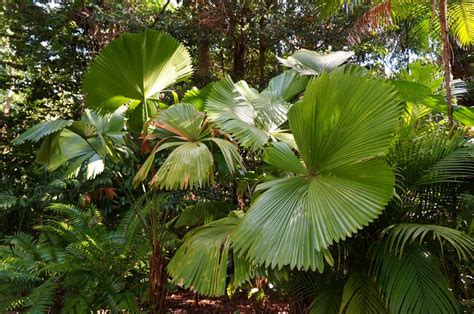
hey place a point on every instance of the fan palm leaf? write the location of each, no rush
(341, 127)
(88, 141)
(250, 117)
(133, 70)
(308, 62)
(201, 263)
(191, 163)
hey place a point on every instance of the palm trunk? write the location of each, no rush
(443, 21)
(157, 275)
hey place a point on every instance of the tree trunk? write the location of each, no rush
(10, 93)
(157, 275)
(238, 72)
(262, 48)
(203, 63)
(8, 103)
(443, 21)
(203, 46)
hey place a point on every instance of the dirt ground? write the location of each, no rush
(186, 302)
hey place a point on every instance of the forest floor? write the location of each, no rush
(186, 302)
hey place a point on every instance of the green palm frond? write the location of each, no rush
(203, 213)
(427, 155)
(42, 130)
(403, 235)
(327, 300)
(461, 21)
(76, 143)
(308, 62)
(198, 97)
(191, 163)
(361, 295)
(250, 117)
(343, 124)
(133, 70)
(413, 282)
(201, 263)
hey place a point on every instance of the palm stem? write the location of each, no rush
(446, 54)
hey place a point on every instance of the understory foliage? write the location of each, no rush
(345, 190)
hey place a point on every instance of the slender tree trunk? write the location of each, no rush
(8, 103)
(9, 100)
(238, 72)
(443, 21)
(262, 48)
(157, 275)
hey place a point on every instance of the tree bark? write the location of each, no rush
(157, 275)
(203, 45)
(9, 100)
(262, 48)
(203, 63)
(238, 71)
(443, 21)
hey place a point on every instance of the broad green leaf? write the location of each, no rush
(417, 93)
(287, 85)
(281, 156)
(133, 69)
(250, 117)
(341, 127)
(191, 162)
(188, 165)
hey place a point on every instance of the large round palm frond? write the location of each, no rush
(250, 117)
(133, 70)
(184, 130)
(341, 127)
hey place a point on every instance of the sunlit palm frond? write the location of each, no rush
(344, 122)
(308, 62)
(133, 70)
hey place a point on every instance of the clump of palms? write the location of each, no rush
(356, 180)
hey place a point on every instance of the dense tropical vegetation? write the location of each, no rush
(319, 153)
